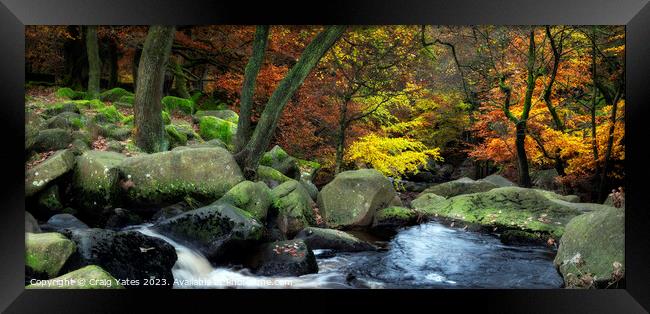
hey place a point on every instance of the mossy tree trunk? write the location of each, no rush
(76, 61)
(556, 48)
(94, 63)
(134, 68)
(112, 56)
(248, 87)
(180, 81)
(248, 158)
(151, 74)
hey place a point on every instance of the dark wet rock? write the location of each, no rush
(285, 258)
(335, 240)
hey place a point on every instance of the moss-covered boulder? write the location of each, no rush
(33, 124)
(94, 182)
(504, 208)
(47, 252)
(220, 231)
(114, 94)
(331, 239)
(65, 120)
(353, 197)
(127, 255)
(205, 174)
(69, 93)
(295, 207)
(167, 119)
(592, 249)
(89, 277)
(554, 196)
(52, 139)
(389, 219)
(545, 179)
(227, 115)
(285, 258)
(214, 128)
(271, 176)
(172, 103)
(253, 197)
(108, 114)
(37, 178)
(459, 187)
(58, 108)
(113, 131)
(425, 199)
(175, 137)
(279, 160)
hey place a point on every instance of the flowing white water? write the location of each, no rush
(425, 256)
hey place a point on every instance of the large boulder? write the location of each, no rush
(460, 186)
(253, 197)
(353, 197)
(52, 139)
(94, 182)
(205, 174)
(295, 207)
(331, 239)
(592, 249)
(279, 160)
(33, 125)
(89, 277)
(220, 231)
(114, 94)
(59, 222)
(127, 255)
(37, 178)
(46, 253)
(284, 258)
(214, 128)
(65, 120)
(504, 208)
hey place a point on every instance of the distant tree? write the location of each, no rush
(149, 87)
(94, 62)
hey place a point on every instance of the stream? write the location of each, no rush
(430, 255)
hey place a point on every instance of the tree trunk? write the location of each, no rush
(522, 159)
(94, 63)
(594, 144)
(180, 82)
(248, 87)
(248, 158)
(112, 64)
(608, 152)
(340, 136)
(134, 68)
(149, 87)
(76, 60)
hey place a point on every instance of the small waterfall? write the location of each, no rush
(425, 256)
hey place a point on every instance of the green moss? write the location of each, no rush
(268, 173)
(108, 114)
(212, 127)
(47, 252)
(114, 94)
(127, 99)
(171, 103)
(77, 122)
(176, 138)
(128, 119)
(395, 212)
(253, 197)
(66, 92)
(166, 117)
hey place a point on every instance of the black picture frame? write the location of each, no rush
(635, 14)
